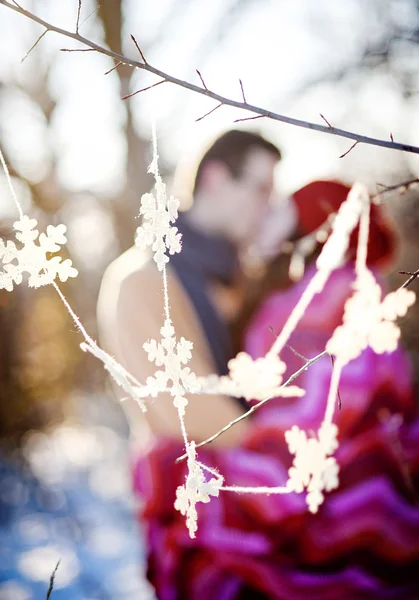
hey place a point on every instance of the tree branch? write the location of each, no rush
(139, 49)
(404, 186)
(242, 89)
(142, 89)
(255, 407)
(351, 148)
(34, 45)
(78, 17)
(209, 112)
(412, 278)
(51, 581)
(221, 99)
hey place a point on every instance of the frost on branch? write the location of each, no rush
(119, 374)
(252, 379)
(158, 212)
(369, 322)
(313, 467)
(195, 489)
(31, 257)
(171, 355)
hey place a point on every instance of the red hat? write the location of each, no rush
(317, 200)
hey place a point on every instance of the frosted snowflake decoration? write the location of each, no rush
(195, 490)
(334, 250)
(120, 375)
(31, 257)
(369, 322)
(172, 355)
(252, 379)
(158, 212)
(313, 467)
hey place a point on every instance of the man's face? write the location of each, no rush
(245, 199)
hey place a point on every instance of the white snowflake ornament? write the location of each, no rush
(31, 257)
(158, 212)
(172, 355)
(195, 490)
(313, 467)
(369, 322)
(256, 379)
(252, 379)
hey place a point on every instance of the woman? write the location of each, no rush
(363, 543)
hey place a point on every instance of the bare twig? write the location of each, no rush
(250, 118)
(255, 407)
(33, 45)
(339, 398)
(404, 186)
(326, 121)
(208, 113)
(143, 90)
(51, 581)
(293, 350)
(78, 16)
(76, 49)
(98, 7)
(202, 80)
(118, 64)
(351, 148)
(261, 112)
(391, 137)
(241, 87)
(139, 49)
(412, 277)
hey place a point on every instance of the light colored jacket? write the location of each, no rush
(131, 312)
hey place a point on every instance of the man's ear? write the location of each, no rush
(214, 175)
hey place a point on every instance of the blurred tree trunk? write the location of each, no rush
(138, 182)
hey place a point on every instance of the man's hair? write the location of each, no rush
(232, 149)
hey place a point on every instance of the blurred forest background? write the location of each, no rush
(78, 153)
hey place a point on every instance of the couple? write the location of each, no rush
(361, 543)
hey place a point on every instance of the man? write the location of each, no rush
(233, 185)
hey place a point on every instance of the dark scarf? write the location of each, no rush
(205, 259)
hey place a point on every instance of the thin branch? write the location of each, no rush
(404, 186)
(139, 49)
(223, 100)
(255, 407)
(412, 278)
(208, 113)
(326, 121)
(98, 7)
(250, 118)
(33, 45)
(143, 90)
(338, 392)
(76, 49)
(118, 64)
(78, 16)
(351, 148)
(293, 350)
(202, 80)
(241, 87)
(51, 581)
